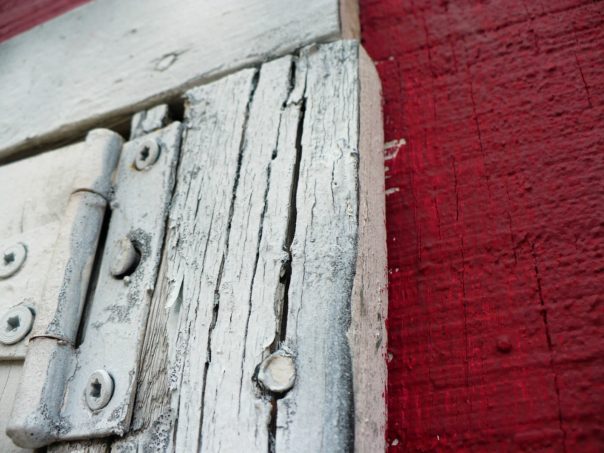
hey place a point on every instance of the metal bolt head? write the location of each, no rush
(15, 324)
(146, 155)
(99, 390)
(125, 258)
(277, 372)
(11, 259)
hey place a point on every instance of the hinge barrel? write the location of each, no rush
(80, 373)
(35, 420)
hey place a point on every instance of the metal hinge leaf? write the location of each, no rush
(86, 390)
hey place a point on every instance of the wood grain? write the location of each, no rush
(261, 256)
(139, 52)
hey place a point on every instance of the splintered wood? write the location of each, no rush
(266, 326)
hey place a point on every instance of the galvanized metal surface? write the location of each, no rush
(80, 371)
(35, 195)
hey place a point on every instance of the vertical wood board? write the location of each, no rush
(261, 256)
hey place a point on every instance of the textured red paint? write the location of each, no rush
(17, 16)
(495, 219)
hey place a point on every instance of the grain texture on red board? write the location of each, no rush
(494, 118)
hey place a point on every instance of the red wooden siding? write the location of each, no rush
(495, 219)
(17, 16)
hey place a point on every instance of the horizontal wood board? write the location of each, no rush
(109, 58)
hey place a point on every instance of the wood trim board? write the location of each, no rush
(108, 59)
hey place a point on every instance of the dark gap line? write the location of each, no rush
(286, 278)
(94, 277)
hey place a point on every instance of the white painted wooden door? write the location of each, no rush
(261, 325)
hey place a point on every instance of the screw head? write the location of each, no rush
(146, 155)
(11, 259)
(15, 324)
(99, 390)
(125, 258)
(277, 372)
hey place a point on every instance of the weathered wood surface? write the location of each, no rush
(150, 120)
(367, 334)
(109, 58)
(319, 413)
(10, 375)
(276, 211)
(275, 244)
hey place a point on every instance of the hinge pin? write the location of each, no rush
(99, 390)
(11, 259)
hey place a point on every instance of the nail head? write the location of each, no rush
(277, 373)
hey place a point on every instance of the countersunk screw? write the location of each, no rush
(125, 258)
(99, 390)
(15, 324)
(11, 259)
(277, 372)
(146, 155)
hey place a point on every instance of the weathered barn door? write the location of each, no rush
(217, 281)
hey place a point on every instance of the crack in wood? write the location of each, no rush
(261, 255)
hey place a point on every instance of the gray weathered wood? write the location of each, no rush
(150, 120)
(275, 243)
(319, 413)
(10, 376)
(367, 333)
(270, 156)
(110, 58)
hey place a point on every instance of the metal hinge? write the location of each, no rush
(99, 264)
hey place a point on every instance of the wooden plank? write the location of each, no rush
(137, 53)
(272, 156)
(192, 267)
(250, 289)
(367, 334)
(319, 413)
(10, 376)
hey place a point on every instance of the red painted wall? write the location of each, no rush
(495, 219)
(17, 16)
